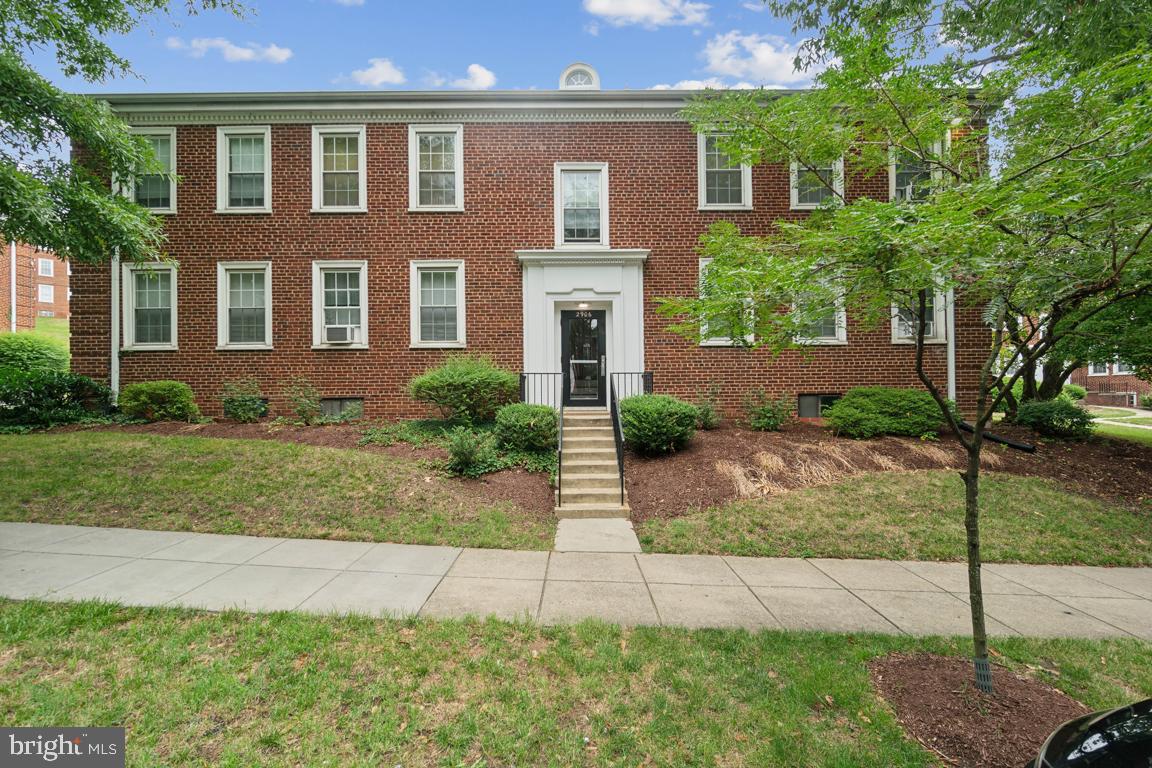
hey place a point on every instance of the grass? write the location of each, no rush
(55, 328)
(232, 689)
(1144, 420)
(1108, 413)
(914, 516)
(256, 487)
(1124, 433)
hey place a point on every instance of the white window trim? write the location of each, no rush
(318, 134)
(128, 187)
(128, 305)
(415, 268)
(1117, 372)
(40, 291)
(1101, 373)
(41, 263)
(702, 180)
(558, 204)
(937, 174)
(414, 130)
(318, 269)
(827, 341)
(715, 341)
(793, 190)
(939, 318)
(222, 270)
(222, 134)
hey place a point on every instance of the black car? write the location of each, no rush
(1117, 738)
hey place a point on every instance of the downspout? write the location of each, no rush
(950, 331)
(12, 286)
(114, 350)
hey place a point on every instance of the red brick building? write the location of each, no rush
(35, 281)
(356, 239)
(1110, 384)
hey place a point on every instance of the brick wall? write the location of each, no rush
(28, 305)
(58, 307)
(508, 205)
(1111, 388)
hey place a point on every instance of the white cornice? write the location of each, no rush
(572, 256)
(314, 116)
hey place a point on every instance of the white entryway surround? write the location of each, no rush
(601, 278)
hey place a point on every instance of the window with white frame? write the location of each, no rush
(714, 337)
(244, 169)
(1097, 369)
(831, 328)
(1121, 368)
(338, 179)
(149, 304)
(910, 177)
(437, 298)
(812, 187)
(46, 294)
(157, 191)
(436, 167)
(45, 267)
(339, 311)
(724, 183)
(905, 321)
(244, 304)
(581, 204)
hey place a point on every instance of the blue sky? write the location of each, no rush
(389, 44)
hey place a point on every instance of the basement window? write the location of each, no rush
(343, 408)
(812, 406)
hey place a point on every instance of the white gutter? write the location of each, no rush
(950, 330)
(114, 351)
(12, 287)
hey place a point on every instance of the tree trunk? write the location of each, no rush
(971, 477)
(1056, 372)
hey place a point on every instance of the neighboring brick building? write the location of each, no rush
(358, 238)
(41, 281)
(1110, 384)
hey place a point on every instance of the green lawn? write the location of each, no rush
(1125, 433)
(914, 516)
(197, 689)
(257, 487)
(1108, 413)
(55, 328)
(1145, 420)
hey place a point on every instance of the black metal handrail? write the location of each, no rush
(560, 442)
(548, 388)
(617, 432)
(629, 383)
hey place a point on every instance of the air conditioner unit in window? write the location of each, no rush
(339, 334)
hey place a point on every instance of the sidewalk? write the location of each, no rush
(59, 562)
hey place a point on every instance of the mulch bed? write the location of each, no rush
(936, 700)
(730, 463)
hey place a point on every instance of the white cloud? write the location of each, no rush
(592, 28)
(480, 78)
(379, 72)
(198, 47)
(756, 6)
(699, 85)
(759, 58)
(348, 2)
(648, 13)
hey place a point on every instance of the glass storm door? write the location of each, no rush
(583, 356)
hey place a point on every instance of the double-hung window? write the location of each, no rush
(831, 328)
(339, 310)
(437, 304)
(244, 304)
(581, 204)
(906, 321)
(1097, 369)
(725, 185)
(909, 177)
(244, 169)
(812, 187)
(45, 267)
(435, 167)
(1121, 368)
(156, 190)
(149, 302)
(339, 183)
(710, 334)
(46, 294)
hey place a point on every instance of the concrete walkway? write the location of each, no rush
(59, 562)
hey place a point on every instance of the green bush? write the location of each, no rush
(159, 401)
(1055, 418)
(1075, 391)
(866, 412)
(655, 424)
(766, 414)
(1146, 400)
(466, 389)
(30, 352)
(525, 427)
(470, 453)
(303, 400)
(707, 409)
(45, 398)
(243, 401)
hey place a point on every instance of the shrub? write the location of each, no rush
(766, 414)
(470, 453)
(29, 352)
(303, 400)
(525, 427)
(707, 410)
(159, 401)
(655, 424)
(466, 389)
(1055, 418)
(1146, 401)
(243, 401)
(1075, 391)
(870, 411)
(44, 398)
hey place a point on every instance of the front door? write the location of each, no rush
(583, 356)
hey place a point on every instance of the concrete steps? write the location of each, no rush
(589, 472)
